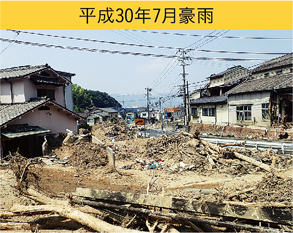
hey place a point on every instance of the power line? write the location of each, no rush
(94, 40)
(123, 52)
(237, 52)
(86, 49)
(223, 37)
(143, 45)
(9, 45)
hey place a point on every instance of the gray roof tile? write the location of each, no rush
(274, 63)
(8, 112)
(210, 99)
(264, 84)
(21, 71)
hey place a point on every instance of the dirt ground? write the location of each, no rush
(170, 165)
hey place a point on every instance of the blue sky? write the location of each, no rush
(128, 74)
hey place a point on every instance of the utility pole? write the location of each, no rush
(161, 115)
(188, 109)
(182, 58)
(148, 102)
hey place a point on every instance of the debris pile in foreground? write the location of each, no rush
(177, 183)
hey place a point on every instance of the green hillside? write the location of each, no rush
(83, 99)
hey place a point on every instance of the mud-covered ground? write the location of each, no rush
(179, 165)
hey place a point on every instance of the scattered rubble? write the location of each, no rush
(181, 167)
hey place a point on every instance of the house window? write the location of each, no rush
(208, 111)
(194, 111)
(205, 111)
(212, 111)
(243, 113)
(48, 93)
(265, 111)
(279, 72)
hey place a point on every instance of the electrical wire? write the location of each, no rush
(123, 52)
(9, 45)
(143, 45)
(223, 37)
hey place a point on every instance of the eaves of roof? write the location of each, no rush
(210, 99)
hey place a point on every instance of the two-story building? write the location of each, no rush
(265, 97)
(34, 101)
(209, 104)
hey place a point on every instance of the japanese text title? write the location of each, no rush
(185, 15)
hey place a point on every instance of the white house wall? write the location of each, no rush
(17, 90)
(5, 95)
(54, 120)
(68, 97)
(222, 114)
(29, 89)
(272, 72)
(206, 119)
(255, 100)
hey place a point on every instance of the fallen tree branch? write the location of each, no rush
(63, 209)
(15, 226)
(74, 214)
(258, 164)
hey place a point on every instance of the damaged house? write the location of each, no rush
(265, 98)
(34, 101)
(101, 114)
(208, 105)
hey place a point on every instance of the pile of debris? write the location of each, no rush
(185, 152)
(152, 204)
(106, 131)
(271, 190)
(88, 156)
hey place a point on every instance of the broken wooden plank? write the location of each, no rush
(259, 164)
(228, 209)
(74, 214)
(64, 209)
(177, 216)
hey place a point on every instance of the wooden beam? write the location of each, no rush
(282, 215)
(177, 216)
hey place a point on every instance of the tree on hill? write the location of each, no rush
(83, 99)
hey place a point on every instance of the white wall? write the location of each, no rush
(256, 100)
(17, 90)
(54, 120)
(222, 114)
(30, 89)
(68, 97)
(5, 96)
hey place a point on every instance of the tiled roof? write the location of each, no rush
(226, 71)
(108, 110)
(264, 84)
(274, 63)
(21, 71)
(10, 112)
(210, 99)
